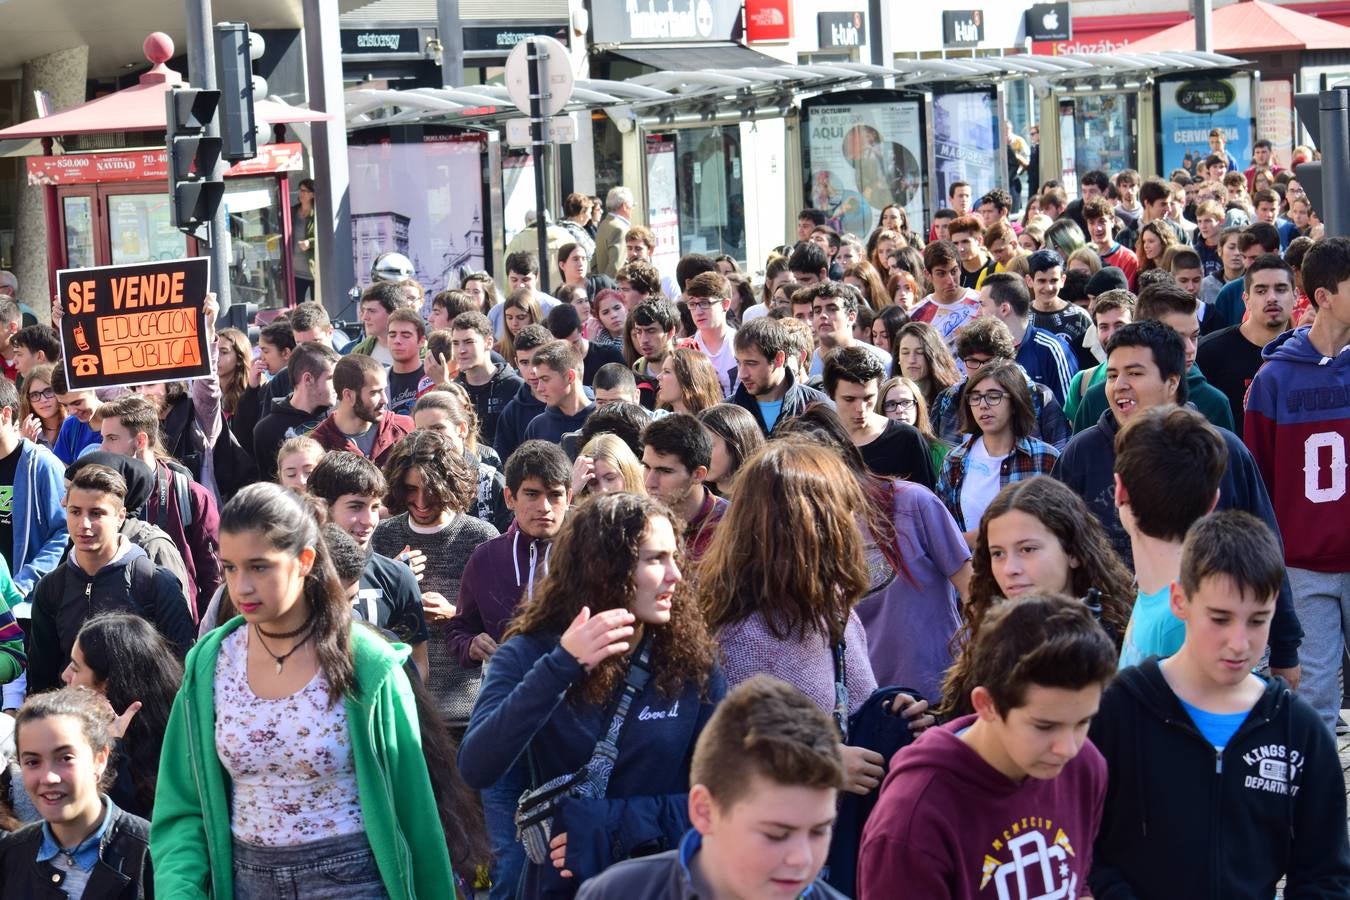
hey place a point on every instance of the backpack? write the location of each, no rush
(181, 486)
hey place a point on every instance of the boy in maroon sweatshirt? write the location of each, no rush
(1005, 803)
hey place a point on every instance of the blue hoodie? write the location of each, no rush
(524, 711)
(513, 421)
(1298, 426)
(39, 518)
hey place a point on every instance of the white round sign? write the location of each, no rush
(555, 81)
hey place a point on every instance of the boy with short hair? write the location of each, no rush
(676, 454)
(521, 410)
(1110, 310)
(557, 373)
(1005, 802)
(652, 325)
(1100, 217)
(1209, 226)
(105, 572)
(33, 346)
(951, 304)
(1157, 504)
(76, 433)
(764, 781)
(891, 449)
(406, 336)
(387, 595)
(708, 295)
(1231, 741)
(491, 386)
(967, 234)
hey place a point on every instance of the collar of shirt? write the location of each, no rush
(86, 854)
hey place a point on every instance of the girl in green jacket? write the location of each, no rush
(292, 762)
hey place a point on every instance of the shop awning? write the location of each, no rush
(1253, 26)
(687, 58)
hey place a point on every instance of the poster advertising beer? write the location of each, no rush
(1189, 108)
(862, 151)
(134, 324)
(965, 143)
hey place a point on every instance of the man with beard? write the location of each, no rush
(361, 422)
(1230, 357)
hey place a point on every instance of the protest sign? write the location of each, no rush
(134, 324)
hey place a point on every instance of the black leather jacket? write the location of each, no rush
(121, 873)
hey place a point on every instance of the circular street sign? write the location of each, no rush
(555, 77)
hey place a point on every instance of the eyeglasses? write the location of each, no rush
(891, 406)
(704, 305)
(990, 399)
(973, 362)
(47, 394)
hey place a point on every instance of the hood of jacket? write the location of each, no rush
(1294, 346)
(139, 477)
(942, 748)
(282, 407)
(525, 397)
(125, 555)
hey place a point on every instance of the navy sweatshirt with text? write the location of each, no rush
(1185, 820)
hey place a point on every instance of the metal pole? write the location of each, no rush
(202, 74)
(1334, 113)
(538, 146)
(452, 43)
(328, 156)
(1203, 10)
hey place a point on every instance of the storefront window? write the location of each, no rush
(1104, 132)
(139, 229)
(257, 269)
(710, 193)
(79, 218)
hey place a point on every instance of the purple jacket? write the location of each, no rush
(500, 573)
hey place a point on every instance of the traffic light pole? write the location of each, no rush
(202, 74)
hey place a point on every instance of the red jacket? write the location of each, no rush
(389, 432)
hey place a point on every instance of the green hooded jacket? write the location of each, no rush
(190, 839)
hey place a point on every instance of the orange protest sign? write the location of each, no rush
(134, 324)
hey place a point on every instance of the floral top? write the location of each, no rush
(289, 760)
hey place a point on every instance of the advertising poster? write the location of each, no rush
(1275, 118)
(663, 214)
(965, 143)
(423, 200)
(1188, 109)
(134, 324)
(861, 157)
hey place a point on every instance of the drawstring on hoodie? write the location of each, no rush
(534, 561)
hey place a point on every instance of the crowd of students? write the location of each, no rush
(1001, 561)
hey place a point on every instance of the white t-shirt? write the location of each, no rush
(724, 361)
(981, 484)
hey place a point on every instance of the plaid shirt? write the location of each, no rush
(1029, 457)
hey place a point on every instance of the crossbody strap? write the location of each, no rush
(601, 763)
(840, 711)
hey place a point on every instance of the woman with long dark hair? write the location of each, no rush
(613, 599)
(735, 436)
(233, 356)
(292, 760)
(124, 658)
(41, 413)
(1037, 537)
(922, 356)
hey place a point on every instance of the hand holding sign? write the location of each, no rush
(135, 324)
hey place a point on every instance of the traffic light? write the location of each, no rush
(236, 49)
(194, 186)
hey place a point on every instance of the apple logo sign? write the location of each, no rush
(1051, 21)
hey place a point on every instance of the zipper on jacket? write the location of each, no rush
(208, 815)
(88, 592)
(1218, 762)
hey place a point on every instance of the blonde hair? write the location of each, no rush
(618, 455)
